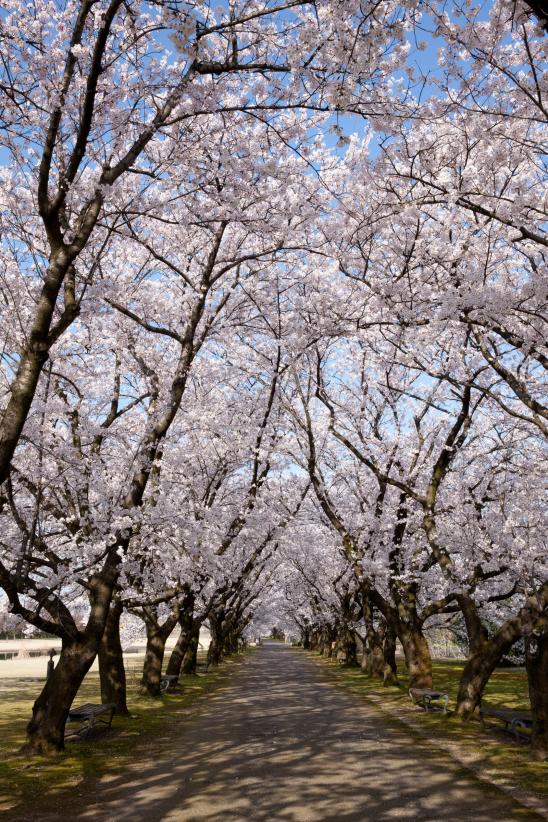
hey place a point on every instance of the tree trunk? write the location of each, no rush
(178, 653)
(190, 660)
(482, 662)
(475, 629)
(154, 657)
(346, 651)
(390, 669)
(479, 667)
(328, 641)
(536, 661)
(375, 663)
(372, 659)
(112, 673)
(417, 656)
(215, 650)
(46, 729)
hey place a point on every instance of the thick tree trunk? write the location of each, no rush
(112, 673)
(215, 650)
(481, 664)
(154, 657)
(536, 661)
(347, 652)
(390, 669)
(417, 656)
(32, 359)
(178, 653)
(475, 629)
(328, 639)
(375, 663)
(46, 729)
(190, 659)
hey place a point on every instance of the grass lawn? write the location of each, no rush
(104, 751)
(493, 751)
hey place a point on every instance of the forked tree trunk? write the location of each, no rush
(157, 636)
(536, 661)
(46, 729)
(481, 664)
(112, 673)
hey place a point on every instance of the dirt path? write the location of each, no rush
(282, 743)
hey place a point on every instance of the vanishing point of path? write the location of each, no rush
(281, 743)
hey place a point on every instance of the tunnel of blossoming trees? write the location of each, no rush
(273, 282)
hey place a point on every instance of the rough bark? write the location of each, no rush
(481, 663)
(190, 659)
(189, 627)
(154, 657)
(347, 652)
(536, 661)
(390, 669)
(112, 673)
(215, 650)
(46, 729)
(417, 656)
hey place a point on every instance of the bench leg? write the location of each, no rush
(518, 728)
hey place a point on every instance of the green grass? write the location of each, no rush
(104, 751)
(493, 750)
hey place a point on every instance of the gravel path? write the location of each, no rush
(281, 742)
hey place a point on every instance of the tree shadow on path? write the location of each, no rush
(281, 743)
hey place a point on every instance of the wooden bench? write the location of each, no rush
(90, 714)
(425, 697)
(166, 681)
(516, 721)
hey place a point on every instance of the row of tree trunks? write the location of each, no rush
(226, 628)
(485, 653)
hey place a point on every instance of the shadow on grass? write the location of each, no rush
(281, 744)
(104, 752)
(500, 754)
